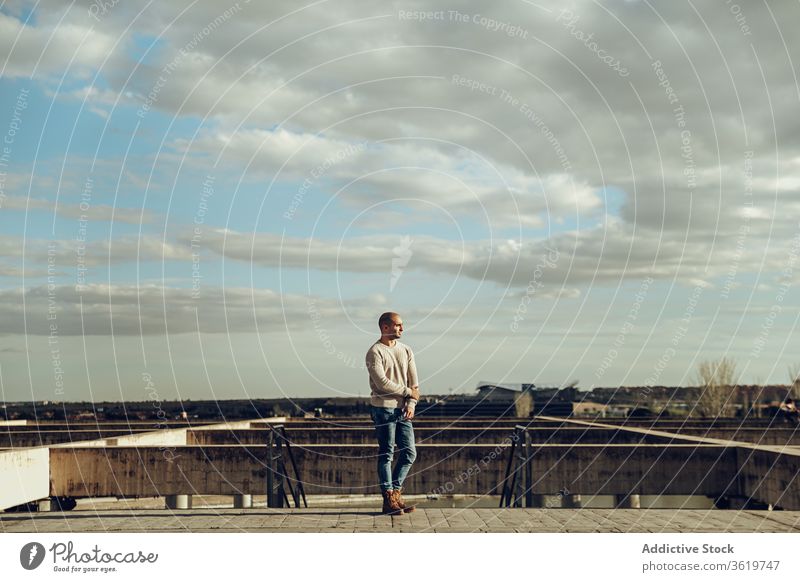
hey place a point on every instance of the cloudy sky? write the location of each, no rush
(221, 198)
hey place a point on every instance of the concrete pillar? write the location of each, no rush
(178, 501)
(44, 505)
(242, 501)
(623, 501)
(571, 501)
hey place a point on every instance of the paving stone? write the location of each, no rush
(790, 519)
(465, 520)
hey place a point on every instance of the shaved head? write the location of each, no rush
(386, 318)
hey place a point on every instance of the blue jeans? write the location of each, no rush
(391, 428)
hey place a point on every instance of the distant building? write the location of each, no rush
(501, 393)
(496, 400)
(589, 409)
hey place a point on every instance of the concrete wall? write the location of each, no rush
(82, 434)
(159, 459)
(166, 437)
(350, 469)
(423, 434)
(361, 422)
(151, 471)
(29, 438)
(539, 421)
(476, 469)
(777, 436)
(466, 457)
(25, 476)
(771, 476)
(174, 437)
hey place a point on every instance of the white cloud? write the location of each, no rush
(346, 77)
(414, 171)
(50, 48)
(599, 256)
(64, 252)
(90, 212)
(152, 309)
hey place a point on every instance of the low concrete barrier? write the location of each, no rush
(423, 434)
(772, 476)
(34, 438)
(26, 476)
(350, 469)
(583, 457)
(31, 466)
(777, 436)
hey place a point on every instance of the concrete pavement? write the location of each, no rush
(349, 520)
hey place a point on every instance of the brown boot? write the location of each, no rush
(390, 506)
(399, 499)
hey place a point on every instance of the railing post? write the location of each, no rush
(274, 479)
(519, 468)
(528, 470)
(278, 478)
(517, 485)
(299, 491)
(507, 489)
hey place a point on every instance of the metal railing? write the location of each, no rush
(517, 484)
(278, 479)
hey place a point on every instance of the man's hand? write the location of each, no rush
(408, 411)
(415, 393)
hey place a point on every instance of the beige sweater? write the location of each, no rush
(392, 374)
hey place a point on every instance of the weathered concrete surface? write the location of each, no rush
(38, 438)
(57, 425)
(478, 469)
(350, 469)
(422, 520)
(767, 475)
(423, 434)
(112, 435)
(778, 435)
(25, 476)
(468, 456)
(419, 422)
(21, 461)
(151, 471)
(170, 437)
(547, 429)
(538, 421)
(362, 432)
(770, 475)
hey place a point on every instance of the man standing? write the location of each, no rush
(394, 392)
